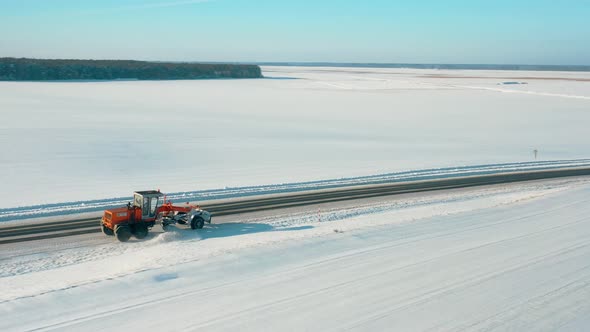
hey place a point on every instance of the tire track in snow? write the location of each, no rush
(467, 282)
(239, 316)
(574, 285)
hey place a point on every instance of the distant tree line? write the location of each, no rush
(23, 69)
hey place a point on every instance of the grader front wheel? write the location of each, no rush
(122, 233)
(106, 231)
(197, 223)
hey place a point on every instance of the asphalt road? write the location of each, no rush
(55, 229)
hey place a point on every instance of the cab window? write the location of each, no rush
(153, 205)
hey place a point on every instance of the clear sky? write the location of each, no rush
(418, 31)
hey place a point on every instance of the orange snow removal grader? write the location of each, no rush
(148, 208)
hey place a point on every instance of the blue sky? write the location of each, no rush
(419, 31)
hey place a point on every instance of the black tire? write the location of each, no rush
(122, 233)
(141, 231)
(106, 231)
(197, 222)
(163, 221)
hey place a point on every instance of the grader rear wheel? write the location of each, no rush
(141, 231)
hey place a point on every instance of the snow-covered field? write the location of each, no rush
(79, 141)
(505, 257)
(511, 257)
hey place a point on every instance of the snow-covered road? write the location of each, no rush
(514, 257)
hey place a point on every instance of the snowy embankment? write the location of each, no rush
(508, 257)
(205, 195)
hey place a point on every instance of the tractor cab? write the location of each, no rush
(148, 201)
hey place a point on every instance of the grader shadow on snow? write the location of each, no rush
(228, 229)
(233, 229)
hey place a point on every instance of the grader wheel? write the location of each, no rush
(106, 231)
(197, 223)
(141, 231)
(122, 233)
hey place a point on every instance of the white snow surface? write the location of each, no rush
(514, 257)
(81, 141)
